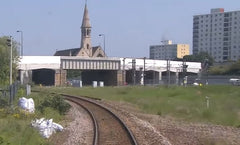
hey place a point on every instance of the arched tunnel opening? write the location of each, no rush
(108, 77)
(45, 77)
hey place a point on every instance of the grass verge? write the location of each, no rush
(15, 124)
(185, 103)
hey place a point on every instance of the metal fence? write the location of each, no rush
(9, 93)
(191, 79)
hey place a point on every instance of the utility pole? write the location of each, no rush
(177, 77)
(168, 72)
(11, 63)
(134, 71)
(9, 43)
(103, 35)
(206, 63)
(144, 63)
(21, 52)
(124, 73)
(184, 69)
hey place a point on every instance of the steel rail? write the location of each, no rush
(129, 133)
(95, 126)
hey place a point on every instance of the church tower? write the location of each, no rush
(86, 45)
(86, 49)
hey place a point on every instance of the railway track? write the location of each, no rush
(108, 128)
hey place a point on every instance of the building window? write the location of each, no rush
(88, 32)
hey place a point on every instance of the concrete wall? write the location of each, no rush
(25, 76)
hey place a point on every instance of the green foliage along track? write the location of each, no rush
(185, 103)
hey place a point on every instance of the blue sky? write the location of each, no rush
(130, 26)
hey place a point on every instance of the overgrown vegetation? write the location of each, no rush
(71, 74)
(54, 101)
(3, 102)
(233, 69)
(185, 103)
(5, 60)
(15, 123)
(201, 57)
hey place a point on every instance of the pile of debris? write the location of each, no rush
(45, 127)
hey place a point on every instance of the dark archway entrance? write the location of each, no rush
(109, 77)
(44, 76)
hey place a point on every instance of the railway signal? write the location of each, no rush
(9, 43)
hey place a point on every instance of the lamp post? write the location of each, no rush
(206, 69)
(103, 35)
(144, 65)
(124, 73)
(21, 53)
(168, 72)
(134, 71)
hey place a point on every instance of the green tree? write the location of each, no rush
(226, 69)
(5, 60)
(234, 68)
(73, 74)
(219, 70)
(200, 57)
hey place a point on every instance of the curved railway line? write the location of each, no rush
(108, 128)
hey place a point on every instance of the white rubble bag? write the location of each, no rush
(46, 127)
(195, 84)
(26, 104)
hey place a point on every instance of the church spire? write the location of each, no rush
(86, 20)
(86, 45)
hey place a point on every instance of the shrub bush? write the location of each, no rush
(56, 102)
(3, 102)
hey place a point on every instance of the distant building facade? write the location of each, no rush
(86, 49)
(168, 50)
(218, 34)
